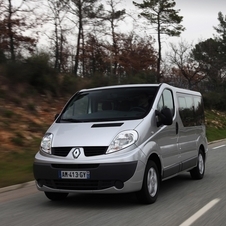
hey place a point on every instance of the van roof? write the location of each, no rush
(165, 85)
(123, 86)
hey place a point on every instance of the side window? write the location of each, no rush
(182, 103)
(166, 100)
(191, 109)
(186, 110)
(199, 110)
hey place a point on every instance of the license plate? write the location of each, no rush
(74, 174)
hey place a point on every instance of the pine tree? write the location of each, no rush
(165, 19)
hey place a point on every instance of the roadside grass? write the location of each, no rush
(215, 134)
(16, 166)
(215, 125)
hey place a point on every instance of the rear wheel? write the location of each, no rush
(198, 172)
(150, 188)
(56, 196)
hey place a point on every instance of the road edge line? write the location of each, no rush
(17, 186)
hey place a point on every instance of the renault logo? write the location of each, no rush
(76, 152)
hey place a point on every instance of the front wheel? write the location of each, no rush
(198, 172)
(56, 196)
(150, 188)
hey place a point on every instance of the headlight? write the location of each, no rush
(123, 140)
(46, 143)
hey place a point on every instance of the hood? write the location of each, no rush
(88, 134)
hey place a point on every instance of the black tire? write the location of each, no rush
(56, 196)
(150, 188)
(198, 172)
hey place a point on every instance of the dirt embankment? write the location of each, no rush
(25, 119)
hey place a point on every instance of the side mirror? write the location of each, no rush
(165, 117)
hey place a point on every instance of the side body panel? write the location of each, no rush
(167, 137)
(191, 127)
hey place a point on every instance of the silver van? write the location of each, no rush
(120, 139)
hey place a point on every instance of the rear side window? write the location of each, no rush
(191, 109)
(199, 111)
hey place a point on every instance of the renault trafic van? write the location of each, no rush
(120, 139)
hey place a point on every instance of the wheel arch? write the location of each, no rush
(155, 158)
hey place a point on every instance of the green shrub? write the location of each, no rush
(36, 71)
(15, 72)
(214, 100)
(40, 73)
(31, 107)
(8, 113)
(18, 139)
(2, 94)
(15, 100)
(2, 57)
(139, 78)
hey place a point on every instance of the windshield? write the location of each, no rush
(109, 104)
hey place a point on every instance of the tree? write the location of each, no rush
(83, 10)
(57, 15)
(185, 65)
(211, 54)
(208, 54)
(113, 16)
(221, 28)
(95, 57)
(136, 55)
(221, 38)
(165, 19)
(13, 23)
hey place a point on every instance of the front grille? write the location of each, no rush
(88, 151)
(93, 151)
(61, 151)
(68, 184)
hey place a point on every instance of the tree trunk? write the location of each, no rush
(158, 78)
(78, 41)
(11, 38)
(56, 66)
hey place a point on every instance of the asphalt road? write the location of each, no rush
(181, 202)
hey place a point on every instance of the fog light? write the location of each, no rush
(119, 184)
(40, 183)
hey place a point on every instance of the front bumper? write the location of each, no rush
(104, 177)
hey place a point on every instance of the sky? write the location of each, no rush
(199, 17)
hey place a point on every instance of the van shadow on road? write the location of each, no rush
(112, 201)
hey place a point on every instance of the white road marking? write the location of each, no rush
(219, 147)
(202, 211)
